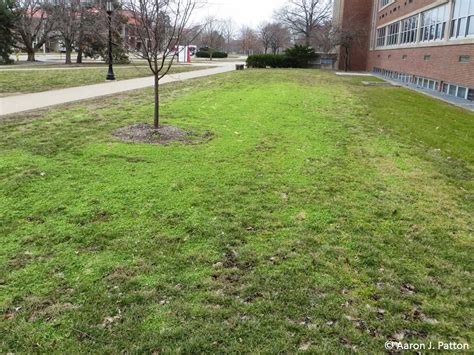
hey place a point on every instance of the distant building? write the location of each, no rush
(425, 42)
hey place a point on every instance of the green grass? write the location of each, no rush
(323, 215)
(28, 81)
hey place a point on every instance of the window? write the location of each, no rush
(462, 24)
(426, 83)
(464, 59)
(452, 90)
(384, 3)
(427, 57)
(433, 23)
(462, 92)
(458, 91)
(381, 36)
(392, 37)
(409, 28)
(470, 94)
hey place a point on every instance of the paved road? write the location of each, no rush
(20, 103)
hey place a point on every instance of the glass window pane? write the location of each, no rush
(470, 31)
(452, 90)
(462, 92)
(462, 27)
(463, 7)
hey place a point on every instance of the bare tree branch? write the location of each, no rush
(303, 17)
(160, 25)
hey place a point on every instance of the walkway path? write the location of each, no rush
(20, 103)
(84, 67)
(46, 67)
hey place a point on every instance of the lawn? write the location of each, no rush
(323, 216)
(27, 81)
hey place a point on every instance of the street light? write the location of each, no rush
(109, 8)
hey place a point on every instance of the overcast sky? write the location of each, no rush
(243, 12)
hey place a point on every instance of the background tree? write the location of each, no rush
(304, 16)
(33, 25)
(93, 36)
(7, 19)
(92, 27)
(265, 34)
(323, 40)
(212, 37)
(228, 31)
(249, 43)
(280, 37)
(160, 25)
(67, 16)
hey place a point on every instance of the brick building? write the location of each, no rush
(429, 43)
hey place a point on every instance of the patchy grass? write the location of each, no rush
(26, 81)
(323, 216)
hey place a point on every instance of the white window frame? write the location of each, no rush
(449, 87)
(431, 21)
(385, 3)
(410, 30)
(458, 16)
(393, 37)
(378, 41)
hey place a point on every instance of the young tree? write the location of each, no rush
(304, 16)
(33, 25)
(348, 39)
(160, 26)
(212, 37)
(7, 19)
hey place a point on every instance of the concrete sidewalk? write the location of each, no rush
(15, 104)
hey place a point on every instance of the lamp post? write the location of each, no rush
(109, 8)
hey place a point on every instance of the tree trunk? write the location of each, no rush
(156, 121)
(346, 60)
(68, 56)
(31, 56)
(79, 56)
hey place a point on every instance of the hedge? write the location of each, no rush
(204, 54)
(296, 57)
(268, 60)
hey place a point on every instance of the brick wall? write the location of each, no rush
(356, 15)
(443, 64)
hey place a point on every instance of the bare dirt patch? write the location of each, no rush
(145, 133)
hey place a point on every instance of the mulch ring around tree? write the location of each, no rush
(145, 133)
